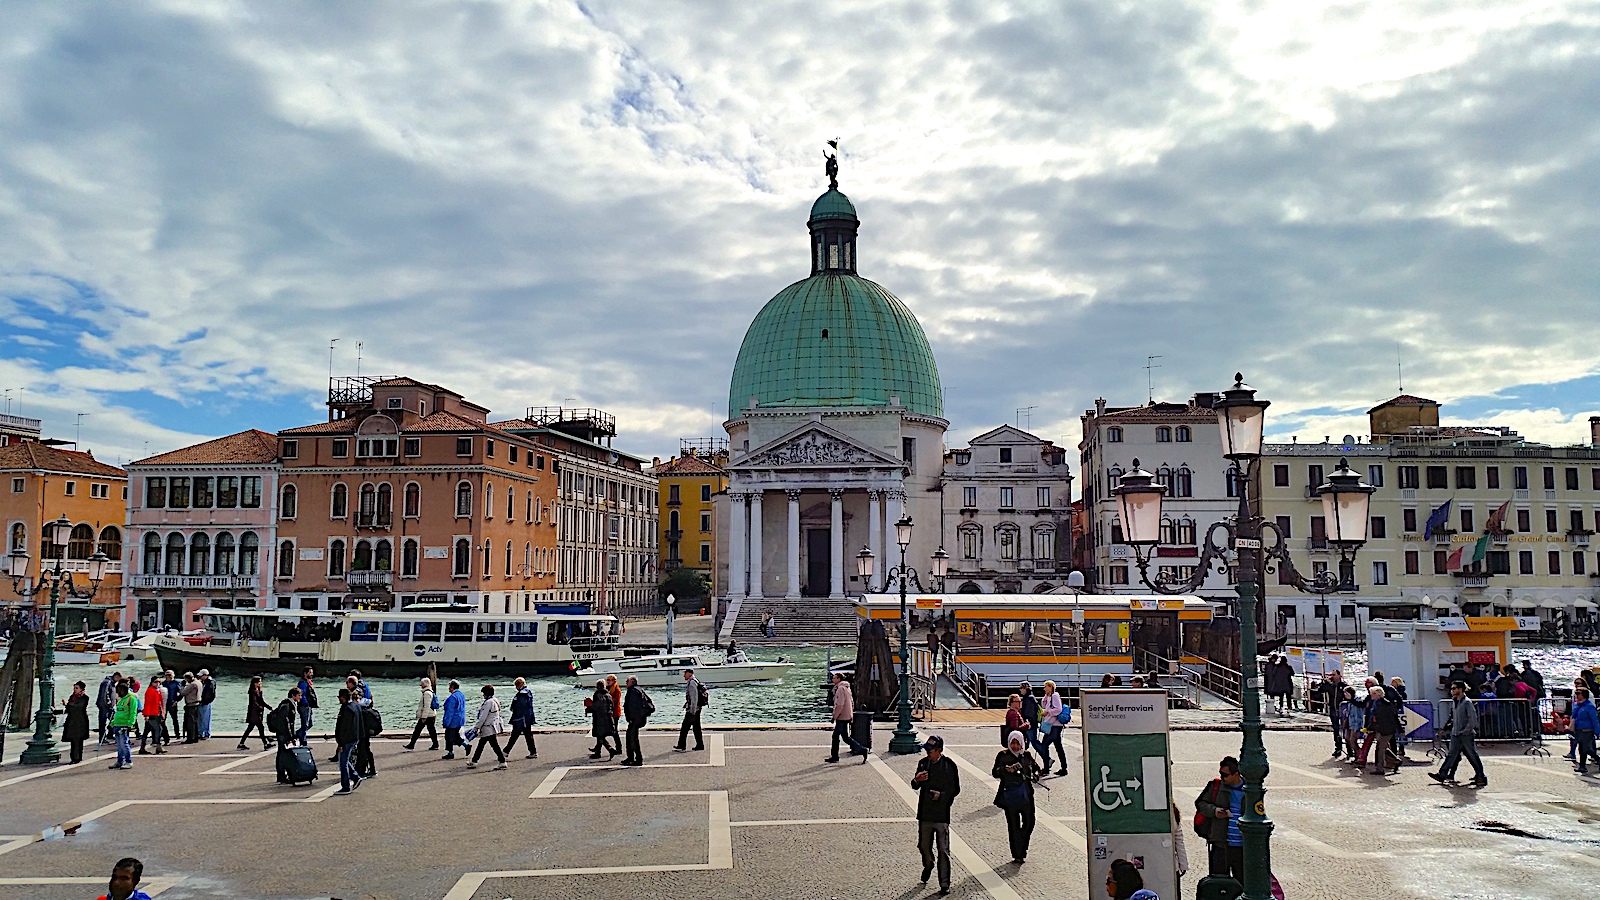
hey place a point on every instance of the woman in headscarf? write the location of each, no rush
(1017, 771)
(605, 725)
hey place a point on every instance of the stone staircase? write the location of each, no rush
(809, 620)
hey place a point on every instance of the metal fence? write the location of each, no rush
(1500, 721)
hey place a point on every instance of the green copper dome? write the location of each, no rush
(833, 205)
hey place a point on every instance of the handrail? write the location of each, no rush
(1219, 680)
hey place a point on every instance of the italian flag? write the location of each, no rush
(1464, 556)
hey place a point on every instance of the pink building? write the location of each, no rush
(201, 524)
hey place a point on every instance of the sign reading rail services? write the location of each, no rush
(1127, 793)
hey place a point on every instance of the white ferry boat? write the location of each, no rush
(392, 644)
(665, 670)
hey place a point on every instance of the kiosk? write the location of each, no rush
(1424, 652)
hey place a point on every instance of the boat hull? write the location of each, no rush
(708, 674)
(191, 660)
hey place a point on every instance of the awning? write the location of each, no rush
(1551, 603)
(1441, 603)
(1583, 604)
(1391, 601)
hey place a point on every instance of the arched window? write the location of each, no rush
(1044, 543)
(486, 549)
(224, 554)
(336, 558)
(1163, 435)
(200, 554)
(971, 542)
(111, 542)
(508, 559)
(511, 504)
(341, 502)
(1116, 531)
(361, 560)
(385, 504)
(1169, 533)
(289, 505)
(527, 557)
(488, 500)
(250, 553)
(174, 555)
(1232, 478)
(1114, 434)
(408, 558)
(383, 556)
(1183, 485)
(286, 559)
(81, 544)
(463, 499)
(413, 507)
(152, 553)
(1044, 588)
(19, 536)
(1186, 533)
(1006, 536)
(529, 515)
(1184, 435)
(672, 520)
(1164, 477)
(1114, 478)
(968, 587)
(369, 506)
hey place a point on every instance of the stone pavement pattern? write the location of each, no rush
(757, 815)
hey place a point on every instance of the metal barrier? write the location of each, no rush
(1217, 679)
(1500, 721)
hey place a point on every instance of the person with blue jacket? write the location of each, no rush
(522, 720)
(455, 719)
(1585, 722)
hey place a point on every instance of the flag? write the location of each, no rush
(1467, 555)
(1436, 520)
(1480, 549)
(1497, 520)
(1454, 562)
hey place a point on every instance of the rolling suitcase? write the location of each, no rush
(298, 764)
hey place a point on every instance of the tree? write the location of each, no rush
(685, 584)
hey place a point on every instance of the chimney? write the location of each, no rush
(1099, 407)
(1594, 430)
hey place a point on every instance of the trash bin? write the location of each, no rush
(861, 729)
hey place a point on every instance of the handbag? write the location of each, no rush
(1013, 797)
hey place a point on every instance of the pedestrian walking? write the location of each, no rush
(1397, 693)
(604, 725)
(947, 642)
(125, 877)
(1030, 714)
(1013, 720)
(455, 719)
(522, 718)
(1330, 692)
(308, 705)
(347, 734)
(932, 642)
(1219, 805)
(1385, 724)
(1462, 726)
(75, 729)
(284, 721)
(105, 702)
(427, 712)
(1017, 771)
(844, 711)
(637, 708)
(1180, 851)
(615, 690)
(155, 718)
(488, 728)
(174, 689)
(1585, 722)
(255, 714)
(1532, 678)
(208, 695)
(371, 724)
(694, 700)
(191, 692)
(1353, 719)
(1280, 682)
(937, 783)
(1054, 714)
(124, 719)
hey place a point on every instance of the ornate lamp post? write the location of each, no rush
(905, 738)
(1345, 498)
(42, 749)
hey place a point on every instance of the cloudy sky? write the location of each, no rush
(548, 202)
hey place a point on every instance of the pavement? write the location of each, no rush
(758, 814)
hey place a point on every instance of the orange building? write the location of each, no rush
(407, 494)
(42, 483)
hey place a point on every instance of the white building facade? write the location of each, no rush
(1006, 513)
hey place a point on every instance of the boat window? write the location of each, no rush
(683, 663)
(638, 663)
(426, 631)
(397, 631)
(363, 631)
(458, 631)
(524, 632)
(491, 632)
(559, 632)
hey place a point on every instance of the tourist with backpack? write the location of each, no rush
(522, 718)
(1217, 812)
(427, 711)
(489, 726)
(695, 697)
(282, 722)
(307, 705)
(455, 719)
(347, 734)
(1054, 715)
(371, 725)
(637, 707)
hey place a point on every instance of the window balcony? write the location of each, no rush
(1472, 580)
(375, 520)
(1579, 538)
(114, 567)
(1317, 544)
(194, 582)
(370, 578)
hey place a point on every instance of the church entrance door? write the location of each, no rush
(819, 562)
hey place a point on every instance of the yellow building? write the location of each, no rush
(41, 483)
(688, 520)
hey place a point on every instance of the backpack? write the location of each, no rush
(371, 722)
(1202, 822)
(705, 695)
(650, 705)
(275, 720)
(435, 701)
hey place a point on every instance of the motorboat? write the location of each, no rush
(144, 646)
(96, 647)
(666, 669)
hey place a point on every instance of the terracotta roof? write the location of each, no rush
(246, 447)
(337, 426)
(438, 421)
(688, 465)
(1404, 400)
(34, 455)
(403, 381)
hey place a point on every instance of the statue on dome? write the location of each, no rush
(832, 166)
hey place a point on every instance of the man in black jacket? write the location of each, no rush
(937, 783)
(283, 720)
(636, 708)
(347, 734)
(1384, 720)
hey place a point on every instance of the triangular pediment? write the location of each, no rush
(1005, 434)
(816, 446)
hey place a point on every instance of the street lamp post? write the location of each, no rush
(1345, 498)
(42, 749)
(905, 738)
(672, 606)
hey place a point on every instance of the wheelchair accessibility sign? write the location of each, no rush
(1127, 794)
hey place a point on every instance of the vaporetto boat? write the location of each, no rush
(391, 644)
(666, 669)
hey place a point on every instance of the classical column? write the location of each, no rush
(794, 543)
(875, 535)
(758, 588)
(894, 507)
(836, 569)
(736, 544)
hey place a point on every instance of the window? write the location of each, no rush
(1441, 561)
(152, 551)
(1572, 479)
(705, 493)
(1113, 479)
(1413, 562)
(1167, 534)
(1554, 562)
(1524, 562)
(286, 559)
(969, 498)
(463, 559)
(705, 522)
(1116, 531)
(540, 464)
(1408, 478)
(508, 559)
(1183, 484)
(1044, 543)
(1319, 532)
(1491, 477)
(1114, 436)
(1576, 516)
(80, 544)
(674, 493)
(250, 492)
(291, 450)
(224, 554)
(511, 452)
(1005, 454)
(1550, 521)
(18, 485)
(155, 491)
(1577, 562)
(413, 500)
(200, 555)
(1375, 475)
(488, 448)
(1284, 529)
(1186, 531)
(1466, 478)
(1524, 520)
(178, 496)
(71, 488)
(103, 491)
(463, 500)
(672, 520)
(341, 448)
(1280, 475)
(463, 446)
(1466, 520)
(486, 551)
(908, 453)
(413, 446)
(1498, 562)
(1549, 478)
(111, 542)
(511, 503)
(1380, 572)
(705, 552)
(339, 508)
(1230, 481)
(408, 558)
(1184, 434)
(227, 492)
(336, 558)
(1005, 498)
(1006, 537)
(249, 553)
(1119, 574)
(1519, 478)
(971, 542)
(1438, 477)
(1594, 479)
(1163, 435)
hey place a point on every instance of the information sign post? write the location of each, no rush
(1127, 788)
